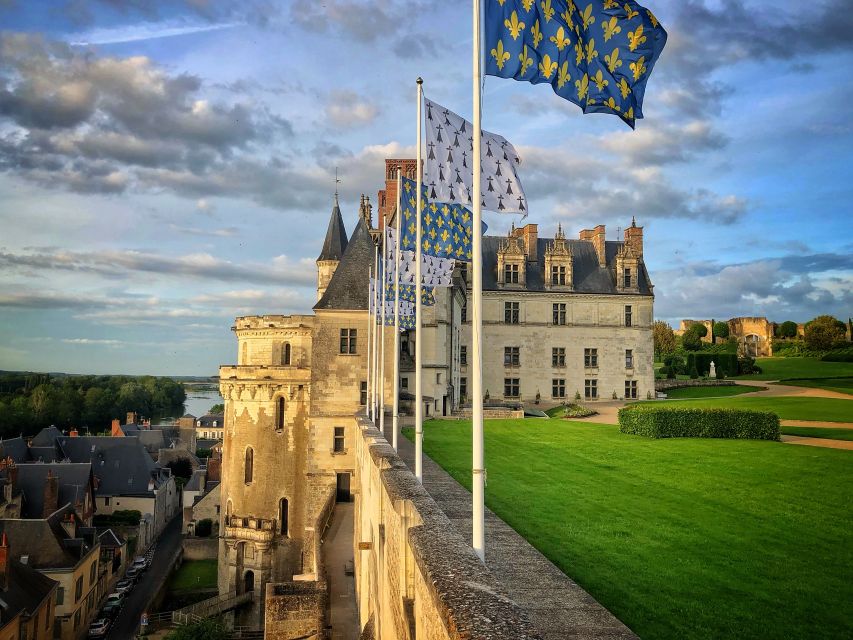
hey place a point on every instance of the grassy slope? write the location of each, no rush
(787, 408)
(679, 538)
(709, 392)
(841, 385)
(194, 574)
(818, 432)
(778, 368)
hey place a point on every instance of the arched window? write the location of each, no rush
(249, 582)
(245, 356)
(250, 463)
(282, 516)
(285, 353)
(279, 414)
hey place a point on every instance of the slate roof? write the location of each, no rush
(44, 454)
(348, 288)
(73, 480)
(45, 542)
(152, 439)
(15, 448)
(207, 444)
(208, 419)
(46, 437)
(26, 590)
(122, 465)
(109, 539)
(336, 236)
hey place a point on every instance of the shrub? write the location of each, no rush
(694, 374)
(842, 355)
(725, 362)
(721, 374)
(787, 329)
(576, 410)
(670, 375)
(204, 527)
(721, 329)
(824, 333)
(746, 366)
(122, 517)
(675, 362)
(656, 421)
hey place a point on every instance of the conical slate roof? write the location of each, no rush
(336, 236)
(348, 288)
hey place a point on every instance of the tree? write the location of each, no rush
(209, 629)
(664, 338)
(217, 408)
(181, 468)
(692, 337)
(721, 329)
(824, 333)
(788, 329)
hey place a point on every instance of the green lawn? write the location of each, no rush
(194, 574)
(779, 368)
(841, 385)
(710, 392)
(787, 408)
(680, 538)
(819, 432)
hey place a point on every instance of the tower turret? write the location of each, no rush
(333, 248)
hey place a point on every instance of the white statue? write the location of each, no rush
(713, 372)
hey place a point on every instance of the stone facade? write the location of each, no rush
(754, 334)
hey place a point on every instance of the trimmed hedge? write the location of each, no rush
(841, 355)
(684, 422)
(725, 362)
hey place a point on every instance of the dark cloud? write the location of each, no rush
(261, 13)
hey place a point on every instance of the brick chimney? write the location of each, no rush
(596, 236)
(115, 429)
(634, 238)
(529, 234)
(70, 525)
(131, 417)
(4, 562)
(73, 433)
(51, 494)
(214, 469)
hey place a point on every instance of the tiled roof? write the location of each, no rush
(348, 288)
(122, 465)
(26, 589)
(72, 480)
(336, 236)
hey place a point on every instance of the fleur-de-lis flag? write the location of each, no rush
(596, 53)
(448, 170)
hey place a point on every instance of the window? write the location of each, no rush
(245, 357)
(60, 595)
(463, 270)
(404, 383)
(627, 278)
(283, 516)
(511, 273)
(339, 440)
(249, 466)
(590, 357)
(93, 573)
(511, 357)
(465, 311)
(558, 274)
(463, 387)
(76, 619)
(559, 313)
(511, 387)
(463, 355)
(558, 388)
(438, 378)
(279, 414)
(362, 393)
(511, 312)
(285, 353)
(629, 358)
(590, 389)
(627, 315)
(78, 589)
(348, 340)
(631, 389)
(558, 357)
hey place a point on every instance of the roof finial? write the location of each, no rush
(337, 182)
(633, 221)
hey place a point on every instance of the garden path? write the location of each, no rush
(774, 389)
(819, 442)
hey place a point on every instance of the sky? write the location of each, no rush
(168, 166)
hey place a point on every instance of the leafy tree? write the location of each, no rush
(824, 333)
(788, 329)
(700, 329)
(209, 629)
(692, 337)
(217, 408)
(721, 329)
(181, 468)
(203, 528)
(664, 338)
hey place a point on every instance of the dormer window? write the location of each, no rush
(627, 278)
(511, 274)
(558, 274)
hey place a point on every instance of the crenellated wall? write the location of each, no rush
(416, 577)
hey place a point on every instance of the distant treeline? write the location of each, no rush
(32, 401)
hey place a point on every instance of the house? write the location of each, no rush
(47, 487)
(113, 553)
(210, 426)
(27, 598)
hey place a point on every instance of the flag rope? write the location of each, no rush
(370, 322)
(382, 335)
(395, 422)
(419, 398)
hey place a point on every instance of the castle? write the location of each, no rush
(560, 318)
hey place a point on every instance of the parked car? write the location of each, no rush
(110, 610)
(99, 628)
(133, 574)
(124, 586)
(141, 563)
(115, 598)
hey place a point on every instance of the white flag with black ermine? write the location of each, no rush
(448, 174)
(435, 272)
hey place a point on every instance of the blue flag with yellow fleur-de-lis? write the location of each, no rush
(596, 53)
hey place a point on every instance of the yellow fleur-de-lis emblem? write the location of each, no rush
(630, 113)
(432, 207)
(590, 101)
(567, 16)
(547, 10)
(547, 66)
(578, 52)
(432, 233)
(439, 222)
(611, 28)
(624, 88)
(526, 60)
(408, 187)
(636, 38)
(445, 235)
(638, 67)
(466, 217)
(631, 13)
(610, 4)
(445, 210)
(426, 245)
(600, 80)
(428, 220)
(560, 39)
(528, 4)
(563, 77)
(587, 17)
(514, 26)
(611, 102)
(537, 34)
(582, 86)
(613, 61)
(590, 50)
(652, 18)
(500, 55)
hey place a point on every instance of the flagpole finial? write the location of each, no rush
(420, 80)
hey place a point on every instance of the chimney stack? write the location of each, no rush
(4, 562)
(73, 433)
(131, 417)
(529, 235)
(596, 236)
(51, 494)
(634, 238)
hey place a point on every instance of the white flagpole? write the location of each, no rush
(478, 470)
(419, 343)
(375, 333)
(369, 406)
(395, 423)
(382, 334)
